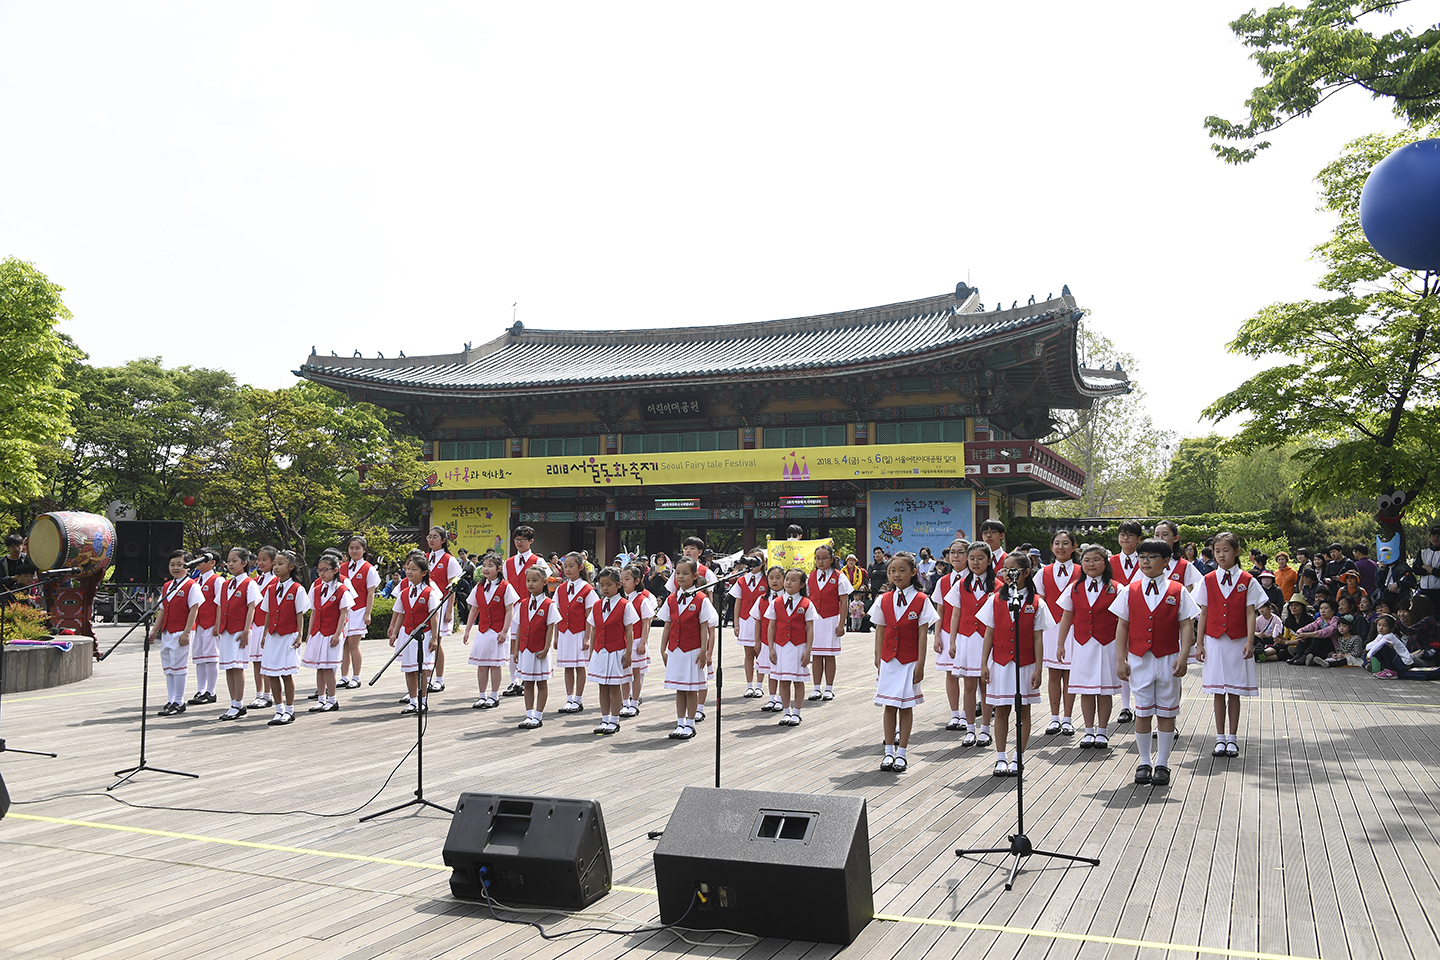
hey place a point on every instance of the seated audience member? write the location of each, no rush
(1316, 639)
(1394, 655)
(1418, 628)
(1269, 629)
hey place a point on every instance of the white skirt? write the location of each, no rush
(174, 659)
(1226, 671)
(355, 624)
(1052, 642)
(826, 644)
(1000, 692)
(1093, 669)
(1153, 686)
(944, 663)
(682, 672)
(318, 654)
(787, 668)
(253, 650)
(533, 669)
(486, 651)
(968, 650)
(745, 631)
(412, 652)
(232, 655)
(763, 663)
(204, 645)
(896, 686)
(280, 658)
(607, 668)
(568, 652)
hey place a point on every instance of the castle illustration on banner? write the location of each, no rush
(794, 468)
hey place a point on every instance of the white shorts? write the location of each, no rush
(826, 644)
(682, 672)
(1226, 671)
(896, 686)
(317, 654)
(232, 655)
(943, 661)
(1093, 669)
(355, 625)
(607, 668)
(410, 656)
(486, 650)
(174, 659)
(787, 668)
(1052, 641)
(204, 645)
(968, 650)
(1153, 686)
(1000, 692)
(280, 658)
(568, 652)
(254, 650)
(532, 669)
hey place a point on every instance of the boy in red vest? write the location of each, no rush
(180, 600)
(205, 651)
(1157, 628)
(1124, 567)
(539, 617)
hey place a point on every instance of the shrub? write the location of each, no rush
(380, 618)
(24, 623)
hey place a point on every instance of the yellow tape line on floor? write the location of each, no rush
(893, 918)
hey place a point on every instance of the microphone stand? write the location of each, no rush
(145, 621)
(422, 715)
(1020, 846)
(3, 748)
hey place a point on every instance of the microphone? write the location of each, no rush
(196, 561)
(62, 572)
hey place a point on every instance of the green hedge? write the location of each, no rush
(380, 618)
(1256, 528)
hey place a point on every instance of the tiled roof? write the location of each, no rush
(522, 358)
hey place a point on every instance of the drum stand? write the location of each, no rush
(142, 766)
(3, 747)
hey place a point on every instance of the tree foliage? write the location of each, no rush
(1357, 392)
(1309, 53)
(34, 407)
(1192, 485)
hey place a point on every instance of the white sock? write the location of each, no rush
(999, 756)
(1090, 731)
(985, 728)
(899, 751)
(829, 688)
(1162, 753)
(1054, 718)
(956, 715)
(236, 704)
(1103, 732)
(1142, 740)
(889, 749)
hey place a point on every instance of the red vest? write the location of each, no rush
(1117, 568)
(790, 624)
(970, 605)
(283, 620)
(233, 594)
(1053, 587)
(532, 630)
(827, 598)
(1155, 631)
(414, 617)
(1002, 641)
(209, 586)
(946, 610)
(326, 618)
(515, 573)
(177, 607)
(684, 624)
(1178, 574)
(638, 601)
(440, 570)
(1226, 615)
(1095, 622)
(358, 581)
(902, 628)
(572, 608)
(263, 583)
(748, 595)
(490, 614)
(609, 632)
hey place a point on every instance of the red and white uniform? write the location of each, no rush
(644, 603)
(1227, 596)
(257, 632)
(1154, 611)
(763, 663)
(790, 613)
(362, 577)
(574, 598)
(1124, 567)
(236, 595)
(827, 590)
(535, 615)
(614, 619)
(491, 599)
(415, 602)
(1183, 572)
(944, 589)
(332, 603)
(177, 601)
(703, 575)
(514, 574)
(1093, 659)
(205, 645)
(684, 666)
(968, 593)
(746, 591)
(1053, 580)
(1009, 654)
(285, 604)
(903, 615)
(445, 570)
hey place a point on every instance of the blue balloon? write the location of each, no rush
(1400, 206)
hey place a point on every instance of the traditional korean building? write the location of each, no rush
(909, 422)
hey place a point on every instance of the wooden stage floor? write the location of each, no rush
(1319, 841)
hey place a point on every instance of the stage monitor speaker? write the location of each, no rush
(535, 851)
(132, 551)
(788, 865)
(166, 537)
(4, 798)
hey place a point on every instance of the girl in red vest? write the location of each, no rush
(685, 646)
(1006, 655)
(444, 570)
(746, 590)
(968, 594)
(239, 596)
(945, 646)
(632, 582)
(826, 588)
(1090, 624)
(790, 624)
(539, 618)
(363, 579)
(902, 619)
(516, 567)
(1177, 568)
(574, 596)
(764, 663)
(264, 576)
(285, 603)
(492, 608)
(205, 650)
(612, 620)
(1125, 566)
(1225, 643)
(1051, 584)
(417, 609)
(332, 598)
(180, 601)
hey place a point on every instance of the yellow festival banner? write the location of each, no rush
(476, 525)
(770, 465)
(794, 554)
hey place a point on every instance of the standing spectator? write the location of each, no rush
(1338, 563)
(1286, 576)
(926, 567)
(1395, 582)
(1427, 568)
(1366, 566)
(11, 563)
(879, 572)
(466, 584)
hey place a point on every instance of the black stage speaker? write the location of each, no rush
(790, 865)
(143, 548)
(536, 851)
(4, 799)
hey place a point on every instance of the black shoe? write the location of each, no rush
(1126, 716)
(1143, 774)
(166, 710)
(197, 700)
(179, 708)
(314, 696)
(1160, 777)
(404, 699)
(514, 690)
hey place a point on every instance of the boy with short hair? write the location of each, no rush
(516, 566)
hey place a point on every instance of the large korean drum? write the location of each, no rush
(71, 539)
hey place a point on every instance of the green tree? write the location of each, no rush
(1192, 483)
(1258, 479)
(1358, 391)
(1308, 54)
(34, 408)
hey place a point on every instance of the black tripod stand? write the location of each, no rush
(421, 716)
(3, 658)
(143, 766)
(1020, 847)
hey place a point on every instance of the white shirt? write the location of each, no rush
(810, 614)
(903, 599)
(509, 597)
(1043, 620)
(1254, 597)
(1120, 606)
